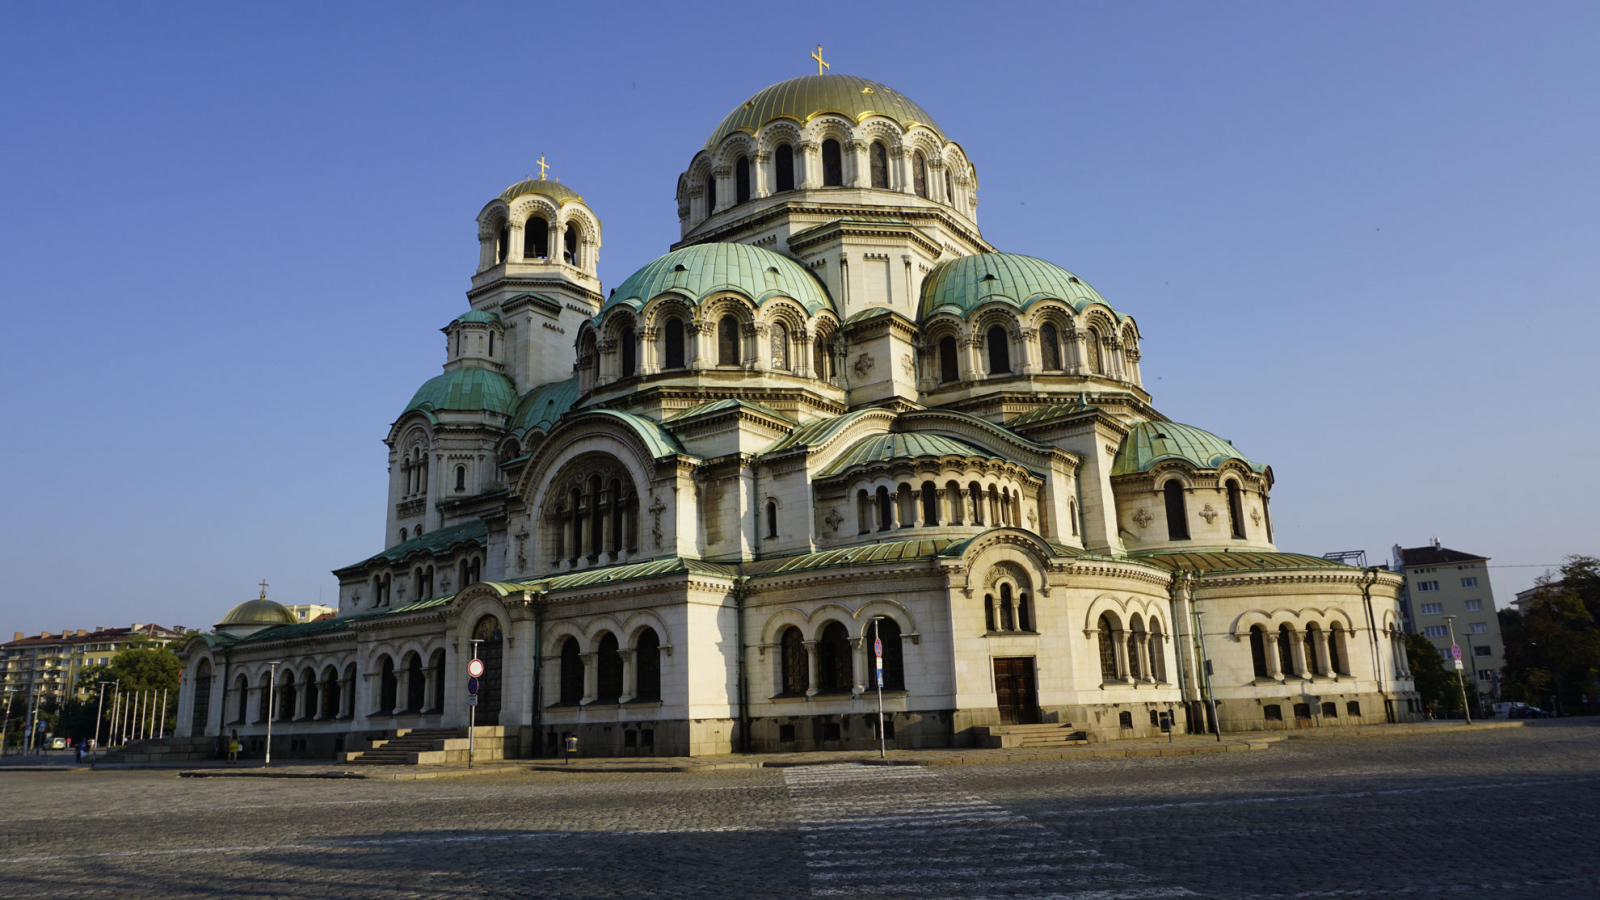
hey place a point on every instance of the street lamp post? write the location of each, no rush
(1461, 680)
(99, 707)
(272, 683)
(472, 710)
(1205, 667)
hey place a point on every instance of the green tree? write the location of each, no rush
(142, 667)
(1435, 682)
(1553, 644)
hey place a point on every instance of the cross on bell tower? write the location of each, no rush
(818, 57)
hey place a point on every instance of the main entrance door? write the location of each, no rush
(1014, 689)
(490, 651)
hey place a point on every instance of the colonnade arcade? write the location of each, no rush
(1050, 338)
(592, 515)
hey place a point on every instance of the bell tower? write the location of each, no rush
(538, 256)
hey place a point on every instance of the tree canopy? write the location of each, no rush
(1553, 642)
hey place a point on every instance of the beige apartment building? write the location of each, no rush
(51, 662)
(1440, 582)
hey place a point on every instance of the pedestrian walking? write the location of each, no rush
(80, 752)
(233, 747)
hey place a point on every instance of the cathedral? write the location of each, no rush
(833, 446)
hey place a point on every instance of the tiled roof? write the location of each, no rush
(914, 445)
(711, 406)
(1432, 556)
(1051, 411)
(436, 541)
(1245, 559)
(467, 389)
(817, 431)
(543, 406)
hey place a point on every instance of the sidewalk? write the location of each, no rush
(1185, 745)
(1437, 726)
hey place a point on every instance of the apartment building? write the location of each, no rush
(50, 663)
(1439, 583)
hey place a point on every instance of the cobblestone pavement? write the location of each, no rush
(1504, 814)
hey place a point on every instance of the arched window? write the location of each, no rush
(569, 251)
(614, 491)
(571, 672)
(416, 685)
(1236, 509)
(780, 347)
(783, 160)
(438, 680)
(608, 670)
(1024, 613)
(949, 365)
(330, 693)
(491, 343)
(894, 666)
(989, 622)
(796, 678)
(504, 247)
(674, 344)
(1258, 652)
(1285, 650)
(1050, 348)
(728, 341)
(930, 504)
(863, 512)
(949, 191)
(629, 354)
(772, 518)
(1158, 653)
(919, 175)
(1008, 621)
(832, 164)
(879, 165)
(1308, 645)
(1177, 514)
(1108, 651)
(535, 238)
(1338, 653)
(242, 687)
(999, 351)
(461, 478)
(711, 193)
(741, 180)
(1072, 516)
(975, 495)
(834, 669)
(647, 665)
(1091, 347)
(402, 535)
(885, 511)
(389, 688)
(202, 699)
(822, 359)
(1136, 647)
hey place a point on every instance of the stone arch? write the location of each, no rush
(638, 622)
(1107, 604)
(734, 146)
(1026, 550)
(885, 606)
(556, 634)
(777, 621)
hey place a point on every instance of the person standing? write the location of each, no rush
(233, 747)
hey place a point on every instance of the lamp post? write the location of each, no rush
(1461, 680)
(472, 709)
(272, 683)
(5, 723)
(877, 652)
(99, 707)
(1205, 667)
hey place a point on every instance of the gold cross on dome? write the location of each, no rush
(542, 167)
(818, 57)
(263, 589)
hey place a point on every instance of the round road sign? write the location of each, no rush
(472, 685)
(877, 646)
(475, 668)
(1455, 650)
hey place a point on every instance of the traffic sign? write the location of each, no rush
(1459, 666)
(472, 699)
(877, 647)
(472, 686)
(475, 668)
(1455, 651)
(880, 676)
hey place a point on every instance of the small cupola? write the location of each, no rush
(255, 615)
(475, 338)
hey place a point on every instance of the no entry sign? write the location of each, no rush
(475, 668)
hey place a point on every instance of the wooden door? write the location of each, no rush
(1014, 691)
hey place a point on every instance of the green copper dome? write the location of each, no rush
(555, 190)
(703, 269)
(478, 315)
(1149, 443)
(467, 389)
(963, 284)
(803, 99)
(256, 613)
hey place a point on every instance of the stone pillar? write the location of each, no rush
(557, 242)
(758, 174)
(1119, 640)
(402, 690)
(1269, 641)
(630, 675)
(856, 172)
(514, 243)
(486, 241)
(1320, 648)
(724, 189)
(1076, 354)
(1297, 653)
(591, 676)
(807, 164)
(693, 334)
(811, 668)
(1032, 358)
(649, 360)
(430, 688)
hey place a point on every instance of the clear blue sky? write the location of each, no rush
(1360, 240)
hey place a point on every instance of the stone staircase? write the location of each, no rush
(164, 750)
(1007, 737)
(432, 746)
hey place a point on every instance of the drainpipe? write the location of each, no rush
(1368, 579)
(222, 720)
(538, 672)
(744, 681)
(1181, 592)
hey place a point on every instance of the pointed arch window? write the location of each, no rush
(535, 238)
(949, 364)
(783, 161)
(1050, 347)
(1236, 509)
(999, 351)
(832, 164)
(919, 175)
(674, 344)
(728, 341)
(1177, 513)
(741, 180)
(880, 165)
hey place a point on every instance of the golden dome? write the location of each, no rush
(803, 99)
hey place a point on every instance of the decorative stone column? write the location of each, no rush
(556, 244)
(1297, 653)
(591, 676)
(630, 675)
(1119, 641)
(694, 334)
(811, 668)
(725, 196)
(430, 688)
(1319, 647)
(806, 158)
(900, 166)
(514, 242)
(758, 174)
(856, 171)
(402, 690)
(1269, 643)
(648, 357)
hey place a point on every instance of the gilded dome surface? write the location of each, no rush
(803, 99)
(255, 613)
(555, 190)
(1148, 443)
(963, 284)
(702, 269)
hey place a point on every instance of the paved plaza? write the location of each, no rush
(1503, 814)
